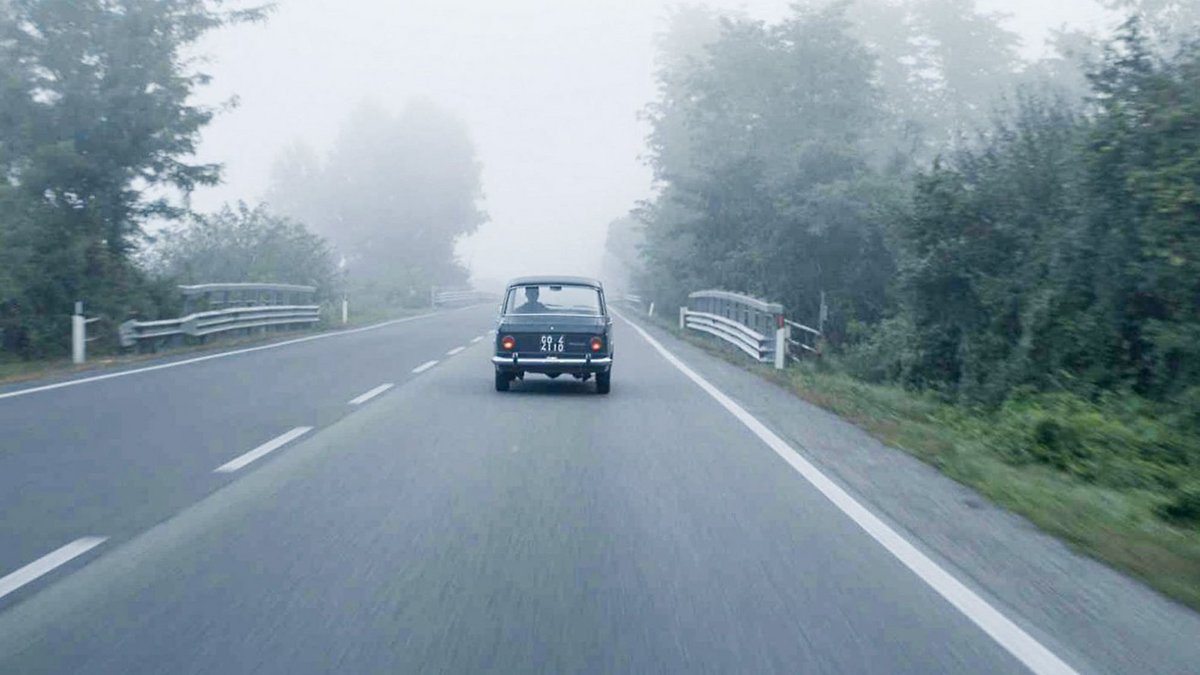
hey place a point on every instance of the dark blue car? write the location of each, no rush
(554, 325)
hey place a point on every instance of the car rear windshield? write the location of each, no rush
(552, 299)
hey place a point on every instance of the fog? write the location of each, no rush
(549, 91)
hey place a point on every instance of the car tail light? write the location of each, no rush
(597, 344)
(508, 343)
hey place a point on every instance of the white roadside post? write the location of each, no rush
(78, 335)
(345, 292)
(682, 318)
(780, 342)
(651, 312)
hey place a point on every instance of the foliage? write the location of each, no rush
(1065, 249)
(939, 66)
(245, 244)
(1167, 22)
(96, 124)
(760, 148)
(393, 196)
(1184, 508)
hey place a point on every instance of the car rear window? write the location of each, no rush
(552, 299)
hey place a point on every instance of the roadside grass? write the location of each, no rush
(1099, 476)
(13, 370)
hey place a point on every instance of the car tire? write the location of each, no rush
(603, 382)
(502, 381)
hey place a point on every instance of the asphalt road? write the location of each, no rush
(444, 527)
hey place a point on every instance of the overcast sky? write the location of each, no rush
(550, 90)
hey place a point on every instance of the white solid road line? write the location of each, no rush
(1007, 634)
(474, 340)
(363, 398)
(454, 351)
(425, 366)
(48, 563)
(269, 446)
(199, 359)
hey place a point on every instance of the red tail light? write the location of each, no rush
(508, 343)
(597, 344)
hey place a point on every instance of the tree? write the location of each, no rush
(1166, 24)
(1144, 177)
(760, 150)
(621, 263)
(942, 65)
(244, 244)
(978, 252)
(394, 194)
(96, 117)
(976, 59)
(1064, 250)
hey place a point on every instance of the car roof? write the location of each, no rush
(556, 280)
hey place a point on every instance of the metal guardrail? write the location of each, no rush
(752, 325)
(458, 296)
(756, 327)
(201, 324)
(638, 302)
(202, 297)
(808, 339)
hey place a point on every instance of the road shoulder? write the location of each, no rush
(1117, 622)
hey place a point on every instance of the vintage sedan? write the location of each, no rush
(554, 326)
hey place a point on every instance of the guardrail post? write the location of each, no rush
(78, 335)
(780, 343)
(682, 318)
(823, 315)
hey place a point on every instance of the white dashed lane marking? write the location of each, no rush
(425, 366)
(47, 563)
(268, 447)
(363, 398)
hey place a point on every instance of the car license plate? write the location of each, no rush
(553, 343)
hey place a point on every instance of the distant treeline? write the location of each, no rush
(966, 244)
(98, 130)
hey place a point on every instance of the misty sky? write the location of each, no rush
(549, 88)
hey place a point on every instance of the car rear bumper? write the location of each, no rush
(552, 365)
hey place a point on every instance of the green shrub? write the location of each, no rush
(1184, 509)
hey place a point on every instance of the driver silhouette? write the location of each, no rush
(531, 305)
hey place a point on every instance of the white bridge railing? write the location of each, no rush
(756, 327)
(752, 325)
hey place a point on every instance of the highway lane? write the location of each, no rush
(448, 528)
(113, 457)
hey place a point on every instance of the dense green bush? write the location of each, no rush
(244, 244)
(1121, 442)
(1184, 508)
